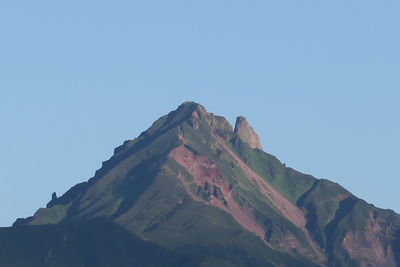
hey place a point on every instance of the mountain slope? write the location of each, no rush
(96, 242)
(193, 186)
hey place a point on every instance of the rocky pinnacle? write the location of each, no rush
(245, 132)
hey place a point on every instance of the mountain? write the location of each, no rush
(193, 191)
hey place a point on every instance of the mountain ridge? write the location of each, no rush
(191, 166)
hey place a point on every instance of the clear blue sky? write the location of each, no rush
(318, 80)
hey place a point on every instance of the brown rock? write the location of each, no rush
(245, 132)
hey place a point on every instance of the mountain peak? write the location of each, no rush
(191, 106)
(219, 124)
(245, 132)
(190, 181)
(189, 109)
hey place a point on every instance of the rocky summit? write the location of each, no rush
(245, 132)
(192, 191)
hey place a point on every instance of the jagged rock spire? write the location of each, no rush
(245, 132)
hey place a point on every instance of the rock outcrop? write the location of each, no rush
(245, 132)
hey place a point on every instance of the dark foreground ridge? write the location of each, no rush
(193, 191)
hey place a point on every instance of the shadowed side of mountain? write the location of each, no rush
(94, 243)
(103, 243)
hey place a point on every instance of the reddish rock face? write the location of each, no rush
(374, 246)
(246, 133)
(207, 175)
